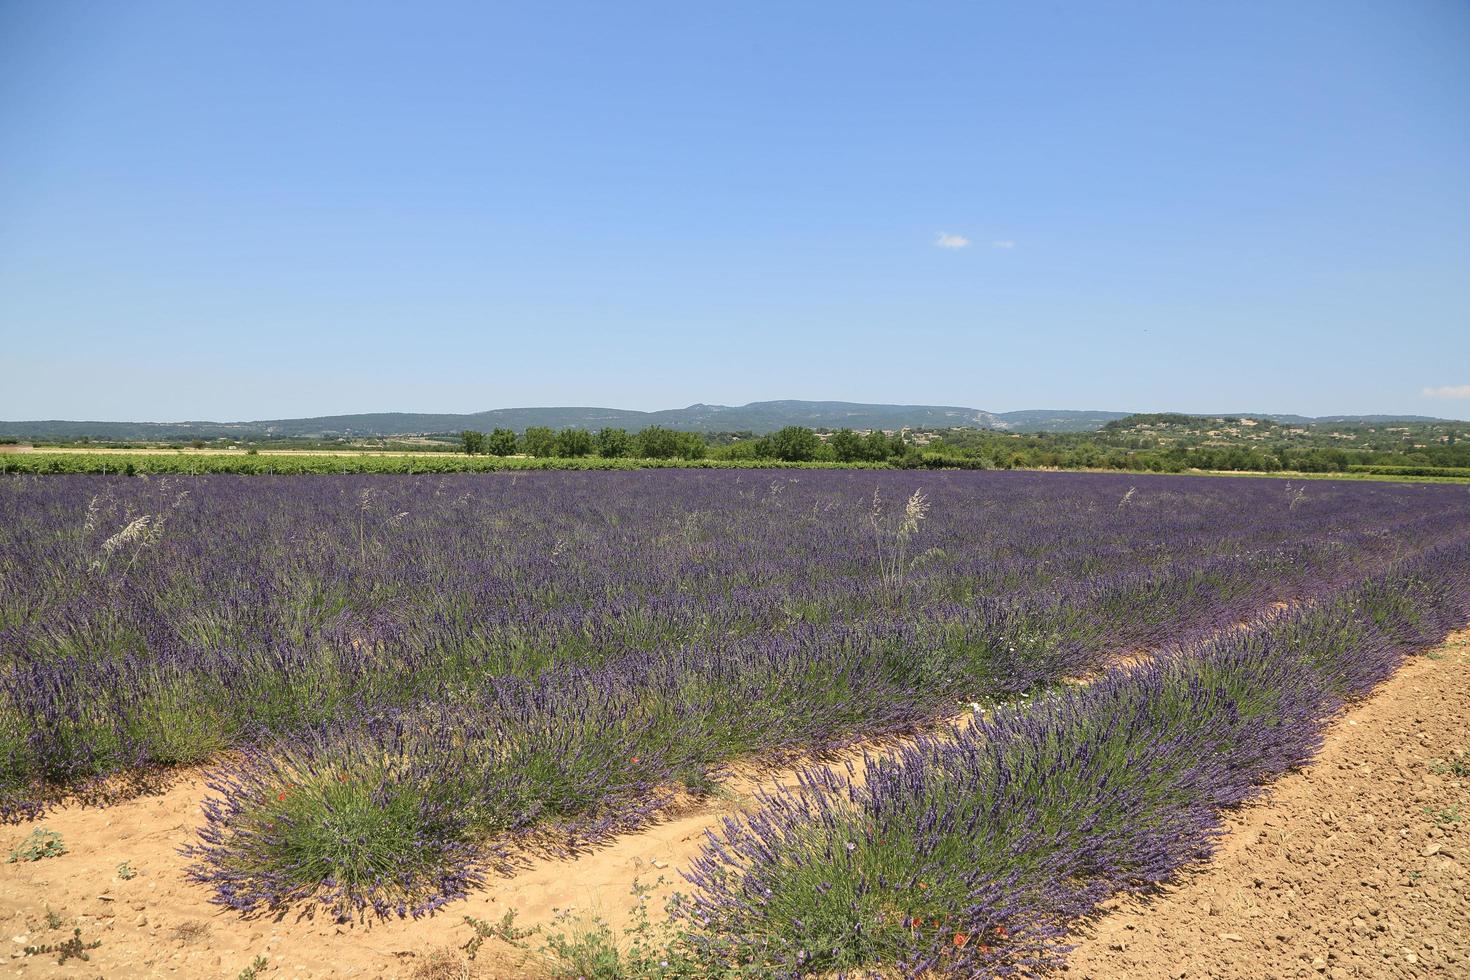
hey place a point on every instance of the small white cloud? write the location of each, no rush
(1447, 391)
(1003, 243)
(946, 240)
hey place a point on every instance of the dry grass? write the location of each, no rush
(447, 963)
(189, 933)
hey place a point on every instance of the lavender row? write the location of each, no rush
(973, 853)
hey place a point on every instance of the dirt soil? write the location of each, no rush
(1354, 867)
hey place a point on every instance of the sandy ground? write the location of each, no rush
(1353, 867)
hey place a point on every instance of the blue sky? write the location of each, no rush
(255, 210)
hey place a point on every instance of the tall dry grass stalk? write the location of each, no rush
(140, 531)
(892, 538)
(1294, 496)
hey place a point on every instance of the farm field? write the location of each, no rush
(395, 696)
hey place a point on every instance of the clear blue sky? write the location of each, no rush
(250, 209)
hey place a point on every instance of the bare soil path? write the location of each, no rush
(1355, 866)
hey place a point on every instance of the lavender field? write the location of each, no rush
(399, 681)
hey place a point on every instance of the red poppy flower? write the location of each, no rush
(281, 797)
(960, 939)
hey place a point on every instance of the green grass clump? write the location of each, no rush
(73, 948)
(38, 845)
(255, 969)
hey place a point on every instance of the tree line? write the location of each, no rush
(1114, 447)
(793, 444)
(654, 442)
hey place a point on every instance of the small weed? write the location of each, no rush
(1458, 766)
(126, 871)
(1449, 814)
(504, 930)
(39, 844)
(69, 949)
(53, 920)
(588, 949)
(592, 951)
(255, 969)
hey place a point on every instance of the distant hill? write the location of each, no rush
(754, 417)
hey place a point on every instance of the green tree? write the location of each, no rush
(847, 446)
(501, 442)
(656, 442)
(793, 444)
(743, 449)
(691, 445)
(574, 442)
(612, 443)
(472, 442)
(538, 440)
(876, 447)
